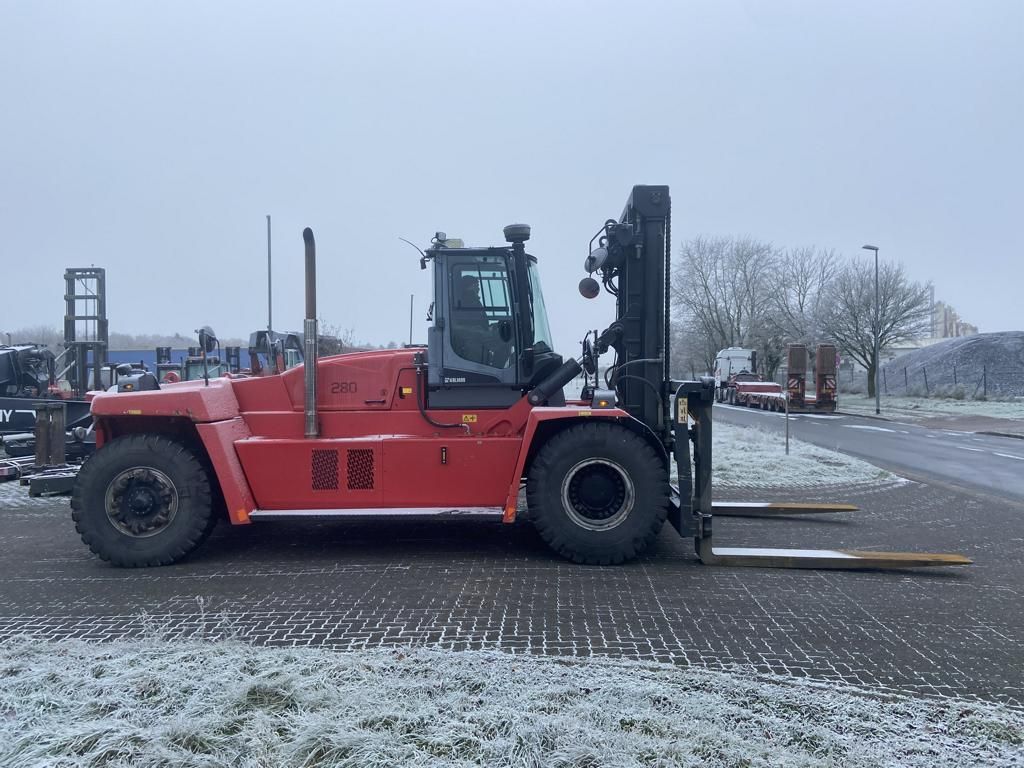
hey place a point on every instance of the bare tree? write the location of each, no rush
(693, 352)
(799, 299)
(800, 284)
(721, 291)
(904, 311)
(769, 341)
(334, 339)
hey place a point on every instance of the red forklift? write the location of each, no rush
(455, 428)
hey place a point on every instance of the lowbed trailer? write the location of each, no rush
(766, 395)
(457, 427)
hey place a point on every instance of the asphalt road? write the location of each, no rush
(964, 460)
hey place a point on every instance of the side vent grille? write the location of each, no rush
(360, 469)
(325, 470)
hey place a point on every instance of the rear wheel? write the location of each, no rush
(142, 500)
(598, 493)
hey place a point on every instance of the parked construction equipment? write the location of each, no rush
(31, 373)
(27, 376)
(455, 428)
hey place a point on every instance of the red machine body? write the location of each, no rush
(375, 451)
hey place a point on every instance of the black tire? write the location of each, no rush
(579, 488)
(142, 500)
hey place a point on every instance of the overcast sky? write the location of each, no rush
(153, 138)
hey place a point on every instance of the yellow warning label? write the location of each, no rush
(586, 413)
(469, 418)
(133, 412)
(681, 410)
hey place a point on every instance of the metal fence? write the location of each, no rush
(960, 382)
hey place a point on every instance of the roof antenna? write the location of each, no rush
(423, 256)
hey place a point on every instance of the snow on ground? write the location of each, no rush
(929, 407)
(752, 456)
(218, 703)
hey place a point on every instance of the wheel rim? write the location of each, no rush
(597, 494)
(141, 502)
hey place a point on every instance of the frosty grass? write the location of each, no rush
(751, 456)
(226, 703)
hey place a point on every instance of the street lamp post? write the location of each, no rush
(875, 331)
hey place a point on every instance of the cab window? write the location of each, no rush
(481, 314)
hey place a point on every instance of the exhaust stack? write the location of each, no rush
(309, 331)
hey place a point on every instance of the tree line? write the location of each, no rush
(741, 292)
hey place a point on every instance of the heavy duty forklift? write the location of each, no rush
(451, 429)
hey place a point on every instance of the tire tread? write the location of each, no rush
(199, 498)
(542, 473)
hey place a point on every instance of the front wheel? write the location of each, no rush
(142, 500)
(598, 493)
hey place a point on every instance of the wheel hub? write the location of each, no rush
(141, 501)
(597, 494)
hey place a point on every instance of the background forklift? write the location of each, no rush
(455, 428)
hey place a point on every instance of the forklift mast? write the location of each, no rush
(633, 259)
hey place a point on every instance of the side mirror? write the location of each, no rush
(589, 359)
(207, 339)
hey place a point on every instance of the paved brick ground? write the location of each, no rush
(464, 584)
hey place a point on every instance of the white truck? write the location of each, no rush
(732, 365)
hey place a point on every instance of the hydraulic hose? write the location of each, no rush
(421, 389)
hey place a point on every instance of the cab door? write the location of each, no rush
(473, 345)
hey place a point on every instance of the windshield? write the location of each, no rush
(541, 330)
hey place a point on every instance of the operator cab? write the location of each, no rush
(489, 341)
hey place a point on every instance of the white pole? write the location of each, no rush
(270, 290)
(787, 422)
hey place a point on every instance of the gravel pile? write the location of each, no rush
(971, 366)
